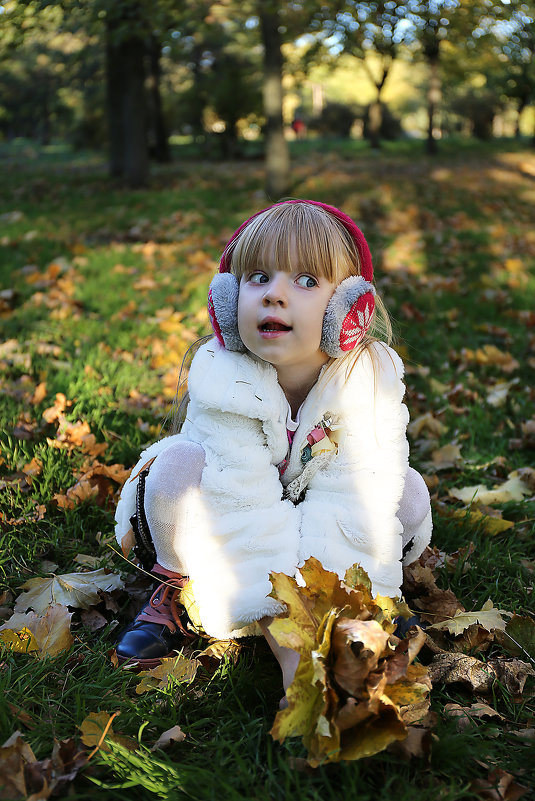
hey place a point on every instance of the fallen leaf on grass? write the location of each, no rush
(488, 616)
(167, 738)
(101, 482)
(497, 395)
(465, 715)
(33, 468)
(499, 786)
(15, 754)
(93, 620)
(354, 678)
(97, 732)
(178, 669)
(416, 744)
(49, 634)
(420, 588)
(480, 676)
(446, 457)
(34, 516)
(219, 649)
(20, 642)
(22, 716)
(490, 355)
(491, 524)
(428, 423)
(70, 589)
(519, 638)
(23, 776)
(514, 489)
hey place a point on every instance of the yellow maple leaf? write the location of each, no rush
(179, 668)
(21, 641)
(492, 525)
(50, 633)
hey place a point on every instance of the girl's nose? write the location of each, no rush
(276, 291)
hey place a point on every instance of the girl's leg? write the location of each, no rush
(174, 473)
(286, 657)
(414, 509)
(158, 630)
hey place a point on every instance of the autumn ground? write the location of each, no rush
(102, 291)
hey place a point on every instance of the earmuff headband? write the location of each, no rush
(366, 267)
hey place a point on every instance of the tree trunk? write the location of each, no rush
(277, 158)
(114, 103)
(375, 119)
(158, 142)
(126, 105)
(433, 99)
(136, 157)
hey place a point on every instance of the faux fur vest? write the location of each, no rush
(340, 507)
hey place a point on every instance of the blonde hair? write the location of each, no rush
(306, 237)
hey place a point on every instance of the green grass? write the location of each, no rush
(97, 336)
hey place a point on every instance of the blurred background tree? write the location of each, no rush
(132, 76)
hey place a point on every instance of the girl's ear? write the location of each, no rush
(348, 316)
(223, 310)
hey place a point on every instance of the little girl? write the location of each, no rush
(293, 444)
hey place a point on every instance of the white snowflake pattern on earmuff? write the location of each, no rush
(348, 314)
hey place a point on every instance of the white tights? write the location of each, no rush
(178, 470)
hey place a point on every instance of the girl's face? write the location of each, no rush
(280, 317)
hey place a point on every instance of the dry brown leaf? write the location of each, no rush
(33, 468)
(22, 776)
(461, 669)
(417, 744)
(446, 457)
(19, 714)
(39, 394)
(519, 637)
(15, 754)
(70, 589)
(420, 588)
(92, 619)
(480, 676)
(428, 423)
(499, 786)
(101, 483)
(465, 715)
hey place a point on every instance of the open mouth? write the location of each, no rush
(271, 326)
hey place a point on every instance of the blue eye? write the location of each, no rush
(306, 281)
(258, 278)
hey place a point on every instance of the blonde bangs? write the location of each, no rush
(295, 237)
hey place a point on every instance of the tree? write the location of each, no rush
(378, 27)
(276, 147)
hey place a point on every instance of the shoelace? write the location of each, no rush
(164, 608)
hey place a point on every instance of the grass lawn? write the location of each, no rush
(102, 291)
